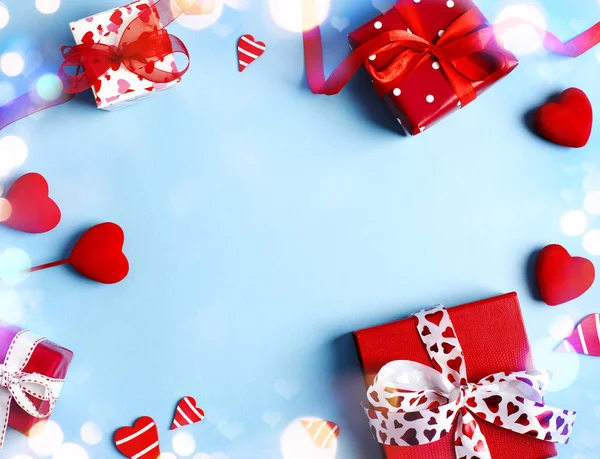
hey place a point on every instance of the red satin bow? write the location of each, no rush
(462, 52)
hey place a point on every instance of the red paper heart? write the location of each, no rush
(98, 254)
(568, 121)
(139, 441)
(561, 277)
(32, 210)
(187, 413)
(249, 50)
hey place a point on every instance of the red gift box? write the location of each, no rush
(48, 359)
(493, 339)
(423, 96)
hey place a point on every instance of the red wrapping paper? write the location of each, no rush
(425, 96)
(49, 359)
(493, 338)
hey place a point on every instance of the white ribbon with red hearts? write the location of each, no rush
(18, 385)
(413, 404)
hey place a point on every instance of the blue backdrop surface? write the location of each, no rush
(264, 224)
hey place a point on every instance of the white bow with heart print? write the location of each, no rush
(412, 404)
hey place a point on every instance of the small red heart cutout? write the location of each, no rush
(561, 277)
(568, 120)
(98, 254)
(186, 413)
(139, 441)
(32, 210)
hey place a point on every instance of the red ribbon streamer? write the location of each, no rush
(143, 43)
(458, 51)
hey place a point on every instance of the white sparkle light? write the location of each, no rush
(12, 64)
(13, 153)
(591, 203)
(91, 433)
(47, 6)
(49, 87)
(4, 15)
(521, 39)
(202, 21)
(287, 14)
(591, 242)
(573, 223)
(184, 443)
(561, 327)
(45, 438)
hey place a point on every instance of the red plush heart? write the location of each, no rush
(561, 277)
(139, 441)
(99, 256)
(32, 210)
(568, 121)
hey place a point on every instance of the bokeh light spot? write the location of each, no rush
(202, 21)
(5, 209)
(49, 87)
(13, 153)
(4, 15)
(521, 39)
(91, 433)
(573, 223)
(47, 6)
(12, 64)
(591, 203)
(184, 443)
(561, 327)
(13, 262)
(591, 242)
(296, 443)
(564, 367)
(167, 456)
(45, 438)
(287, 14)
(70, 451)
(201, 456)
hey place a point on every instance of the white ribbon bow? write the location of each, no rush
(413, 404)
(20, 386)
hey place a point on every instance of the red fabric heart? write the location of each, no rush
(568, 120)
(32, 210)
(98, 254)
(139, 441)
(561, 277)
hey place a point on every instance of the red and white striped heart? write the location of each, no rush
(249, 50)
(322, 433)
(585, 339)
(186, 413)
(139, 441)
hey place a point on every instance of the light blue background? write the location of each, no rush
(264, 224)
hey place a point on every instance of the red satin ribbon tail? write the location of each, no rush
(26, 105)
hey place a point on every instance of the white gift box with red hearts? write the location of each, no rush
(117, 88)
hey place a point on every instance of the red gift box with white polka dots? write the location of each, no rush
(424, 96)
(493, 338)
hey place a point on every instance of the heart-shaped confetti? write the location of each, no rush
(186, 413)
(561, 277)
(31, 209)
(585, 339)
(139, 441)
(249, 50)
(322, 433)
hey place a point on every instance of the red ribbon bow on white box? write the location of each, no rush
(19, 385)
(413, 404)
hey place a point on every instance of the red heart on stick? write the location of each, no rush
(139, 441)
(568, 120)
(32, 210)
(561, 277)
(98, 254)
